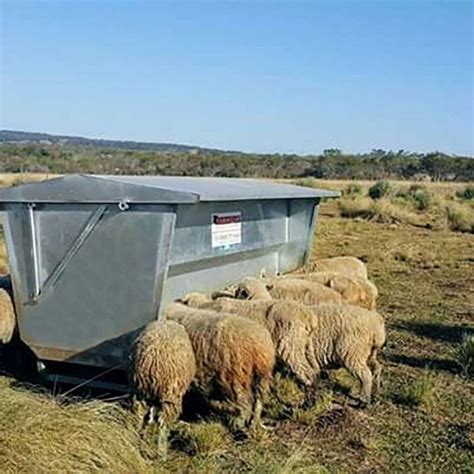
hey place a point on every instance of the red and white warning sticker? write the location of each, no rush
(226, 229)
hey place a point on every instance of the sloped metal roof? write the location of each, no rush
(154, 189)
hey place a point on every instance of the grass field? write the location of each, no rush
(422, 422)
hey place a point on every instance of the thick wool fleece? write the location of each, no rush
(295, 289)
(162, 366)
(288, 322)
(350, 266)
(7, 318)
(235, 359)
(353, 290)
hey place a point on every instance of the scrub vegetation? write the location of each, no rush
(423, 420)
(36, 153)
(430, 205)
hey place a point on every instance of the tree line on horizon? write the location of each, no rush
(332, 164)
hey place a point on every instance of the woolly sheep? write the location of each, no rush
(311, 339)
(161, 368)
(235, 359)
(354, 290)
(341, 334)
(350, 266)
(296, 289)
(289, 326)
(7, 317)
(348, 336)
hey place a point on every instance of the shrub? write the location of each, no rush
(380, 189)
(386, 212)
(381, 210)
(422, 199)
(354, 189)
(460, 217)
(306, 182)
(420, 392)
(464, 354)
(467, 193)
(359, 207)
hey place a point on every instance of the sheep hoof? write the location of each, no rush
(363, 404)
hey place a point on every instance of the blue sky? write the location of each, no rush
(262, 76)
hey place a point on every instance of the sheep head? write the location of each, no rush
(253, 288)
(195, 300)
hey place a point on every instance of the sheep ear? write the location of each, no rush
(331, 283)
(223, 293)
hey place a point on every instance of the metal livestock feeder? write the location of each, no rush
(94, 258)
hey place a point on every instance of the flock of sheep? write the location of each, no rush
(229, 347)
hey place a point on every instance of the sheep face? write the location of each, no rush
(252, 288)
(195, 300)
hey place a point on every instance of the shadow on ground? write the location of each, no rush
(435, 331)
(447, 365)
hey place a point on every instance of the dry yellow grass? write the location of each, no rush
(42, 434)
(9, 179)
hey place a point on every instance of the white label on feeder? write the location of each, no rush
(226, 229)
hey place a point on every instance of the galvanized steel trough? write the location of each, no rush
(94, 258)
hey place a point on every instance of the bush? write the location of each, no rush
(359, 207)
(416, 194)
(380, 189)
(422, 199)
(460, 217)
(381, 210)
(354, 189)
(467, 193)
(465, 354)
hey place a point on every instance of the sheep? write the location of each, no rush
(341, 334)
(350, 266)
(348, 336)
(235, 359)
(354, 290)
(289, 324)
(287, 289)
(161, 369)
(7, 317)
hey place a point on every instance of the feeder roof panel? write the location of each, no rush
(154, 189)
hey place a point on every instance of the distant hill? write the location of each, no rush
(13, 136)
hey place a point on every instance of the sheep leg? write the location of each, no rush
(236, 413)
(364, 375)
(245, 410)
(150, 416)
(140, 409)
(168, 414)
(376, 369)
(162, 442)
(310, 392)
(262, 389)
